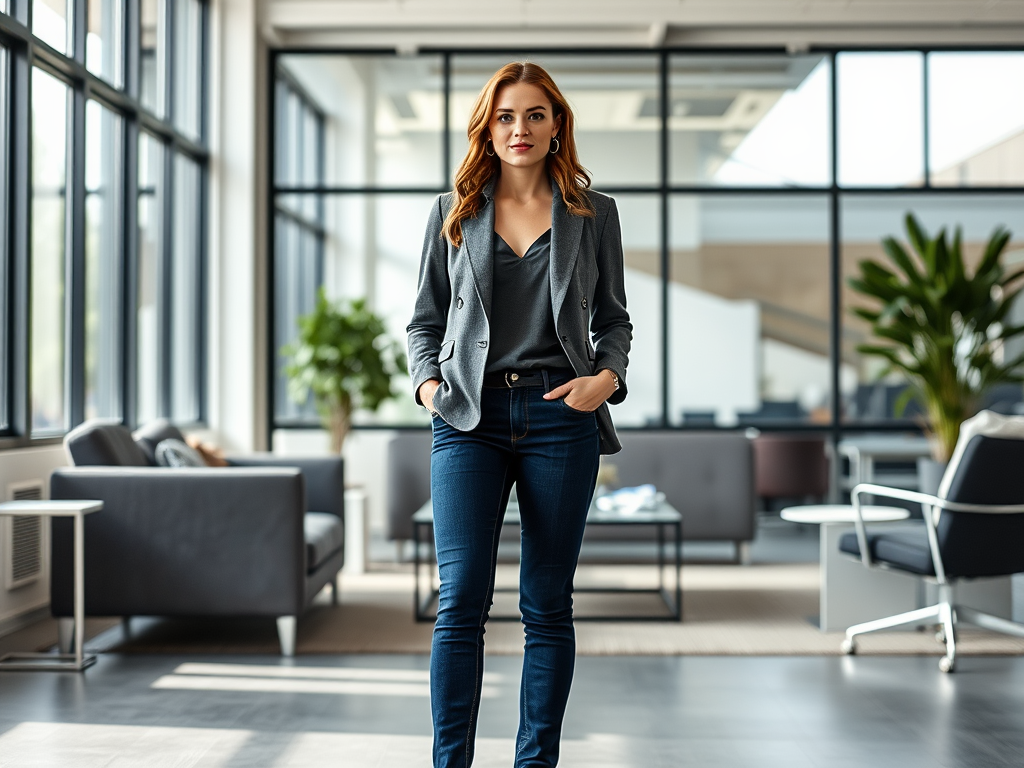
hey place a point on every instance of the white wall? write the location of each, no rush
(19, 466)
(237, 381)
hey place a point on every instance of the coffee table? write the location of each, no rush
(662, 516)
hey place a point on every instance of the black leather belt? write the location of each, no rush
(530, 378)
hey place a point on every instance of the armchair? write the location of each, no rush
(973, 528)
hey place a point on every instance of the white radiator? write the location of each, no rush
(23, 539)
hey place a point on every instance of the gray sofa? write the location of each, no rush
(708, 476)
(258, 538)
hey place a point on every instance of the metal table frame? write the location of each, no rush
(67, 662)
(673, 598)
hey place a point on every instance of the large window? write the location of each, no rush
(748, 120)
(867, 395)
(749, 310)
(299, 227)
(104, 223)
(104, 44)
(48, 247)
(148, 368)
(748, 186)
(102, 239)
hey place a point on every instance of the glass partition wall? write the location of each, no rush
(102, 193)
(749, 186)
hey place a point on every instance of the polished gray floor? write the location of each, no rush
(643, 712)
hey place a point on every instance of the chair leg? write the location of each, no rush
(988, 621)
(286, 634)
(743, 552)
(334, 590)
(65, 634)
(920, 616)
(948, 618)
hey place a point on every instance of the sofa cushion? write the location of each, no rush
(104, 443)
(903, 546)
(150, 435)
(175, 453)
(325, 535)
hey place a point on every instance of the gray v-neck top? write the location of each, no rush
(523, 334)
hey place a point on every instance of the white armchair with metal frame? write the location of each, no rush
(973, 528)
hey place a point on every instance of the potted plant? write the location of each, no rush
(941, 326)
(344, 358)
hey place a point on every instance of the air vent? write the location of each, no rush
(23, 539)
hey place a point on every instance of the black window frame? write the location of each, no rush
(24, 52)
(6, 317)
(837, 426)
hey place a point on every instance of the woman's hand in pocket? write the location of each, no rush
(585, 393)
(426, 393)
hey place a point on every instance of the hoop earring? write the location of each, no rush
(491, 153)
(557, 147)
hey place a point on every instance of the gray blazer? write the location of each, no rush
(449, 332)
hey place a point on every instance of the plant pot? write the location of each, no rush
(929, 474)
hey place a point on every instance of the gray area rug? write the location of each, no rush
(761, 610)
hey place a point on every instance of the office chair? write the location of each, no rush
(973, 528)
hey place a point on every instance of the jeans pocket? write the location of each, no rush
(570, 409)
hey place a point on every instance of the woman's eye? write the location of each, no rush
(504, 118)
(538, 115)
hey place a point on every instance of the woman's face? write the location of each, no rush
(522, 124)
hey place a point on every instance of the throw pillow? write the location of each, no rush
(212, 455)
(176, 453)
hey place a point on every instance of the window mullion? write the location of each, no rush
(74, 297)
(165, 268)
(20, 189)
(79, 14)
(130, 273)
(169, 57)
(130, 50)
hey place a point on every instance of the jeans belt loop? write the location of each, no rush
(547, 381)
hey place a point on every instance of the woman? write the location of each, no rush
(521, 262)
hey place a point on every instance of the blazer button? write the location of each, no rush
(583, 303)
(458, 302)
(565, 338)
(481, 344)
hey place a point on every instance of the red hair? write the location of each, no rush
(477, 167)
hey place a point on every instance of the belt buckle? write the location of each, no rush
(510, 375)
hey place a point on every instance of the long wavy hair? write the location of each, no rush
(477, 167)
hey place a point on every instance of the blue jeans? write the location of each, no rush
(550, 452)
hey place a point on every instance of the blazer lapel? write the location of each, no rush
(566, 232)
(478, 241)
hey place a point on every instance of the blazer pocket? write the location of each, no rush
(447, 350)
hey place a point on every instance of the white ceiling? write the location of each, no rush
(413, 24)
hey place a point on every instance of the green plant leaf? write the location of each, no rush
(940, 328)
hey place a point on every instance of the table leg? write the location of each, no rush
(79, 538)
(679, 571)
(661, 556)
(416, 571)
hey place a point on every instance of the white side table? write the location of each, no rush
(77, 661)
(850, 593)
